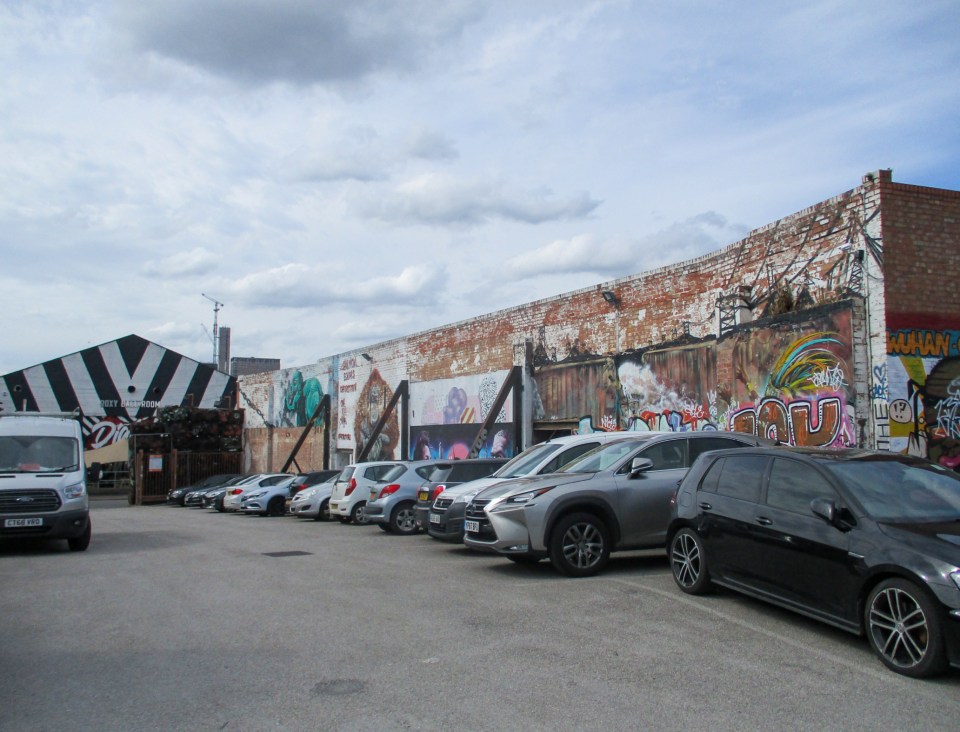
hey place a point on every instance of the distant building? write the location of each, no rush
(116, 384)
(223, 349)
(242, 366)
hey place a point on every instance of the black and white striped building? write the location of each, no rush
(116, 383)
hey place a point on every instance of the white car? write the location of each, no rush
(269, 499)
(234, 495)
(314, 501)
(349, 498)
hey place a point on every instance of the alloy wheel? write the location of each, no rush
(582, 545)
(685, 560)
(899, 628)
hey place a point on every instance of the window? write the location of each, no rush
(741, 477)
(470, 471)
(793, 485)
(698, 447)
(567, 456)
(666, 455)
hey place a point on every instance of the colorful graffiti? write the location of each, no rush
(453, 442)
(925, 343)
(649, 404)
(373, 401)
(801, 397)
(300, 400)
(102, 431)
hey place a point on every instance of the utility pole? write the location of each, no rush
(216, 344)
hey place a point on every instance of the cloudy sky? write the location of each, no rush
(341, 173)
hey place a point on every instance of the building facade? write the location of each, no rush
(115, 384)
(838, 325)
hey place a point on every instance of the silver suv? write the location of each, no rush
(612, 498)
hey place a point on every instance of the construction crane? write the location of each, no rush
(216, 343)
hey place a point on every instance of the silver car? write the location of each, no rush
(615, 497)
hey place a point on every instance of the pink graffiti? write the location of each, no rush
(792, 423)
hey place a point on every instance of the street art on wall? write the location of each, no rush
(372, 402)
(446, 414)
(923, 394)
(300, 396)
(649, 404)
(796, 391)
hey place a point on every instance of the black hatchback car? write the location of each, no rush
(866, 541)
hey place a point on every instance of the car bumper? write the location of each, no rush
(511, 534)
(305, 508)
(62, 525)
(377, 513)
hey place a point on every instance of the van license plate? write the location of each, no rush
(18, 523)
(472, 526)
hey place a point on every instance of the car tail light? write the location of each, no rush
(437, 491)
(353, 484)
(388, 489)
(236, 491)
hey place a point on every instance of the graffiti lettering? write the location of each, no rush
(829, 378)
(926, 343)
(347, 388)
(669, 421)
(880, 389)
(948, 417)
(106, 432)
(792, 423)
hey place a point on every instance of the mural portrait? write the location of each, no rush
(371, 404)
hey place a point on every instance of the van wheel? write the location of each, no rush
(80, 543)
(579, 545)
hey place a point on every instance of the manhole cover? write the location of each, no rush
(287, 554)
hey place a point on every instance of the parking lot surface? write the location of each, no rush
(184, 619)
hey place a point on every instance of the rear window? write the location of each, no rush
(380, 472)
(347, 474)
(463, 472)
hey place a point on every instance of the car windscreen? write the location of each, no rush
(895, 491)
(601, 458)
(524, 463)
(38, 454)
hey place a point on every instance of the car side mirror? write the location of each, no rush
(640, 465)
(825, 509)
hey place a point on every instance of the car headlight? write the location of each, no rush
(74, 491)
(526, 496)
(956, 578)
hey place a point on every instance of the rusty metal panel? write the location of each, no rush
(576, 390)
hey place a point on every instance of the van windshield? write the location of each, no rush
(38, 454)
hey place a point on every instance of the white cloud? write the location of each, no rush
(182, 264)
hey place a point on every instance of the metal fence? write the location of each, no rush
(156, 474)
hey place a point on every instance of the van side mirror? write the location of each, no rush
(640, 465)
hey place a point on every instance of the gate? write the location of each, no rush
(156, 474)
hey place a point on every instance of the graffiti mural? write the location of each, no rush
(671, 391)
(445, 417)
(372, 402)
(796, 389)
(300, 398)
(923, 389)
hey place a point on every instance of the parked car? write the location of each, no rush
(179, 495)
(393, 498)
(268, 499)
(441, 511)
(198, 498)
(866, 541)
(314, 502)
(305, 480)
(615, 497)
(234, 496)
(348, 501)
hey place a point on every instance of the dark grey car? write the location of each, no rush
(613, 498)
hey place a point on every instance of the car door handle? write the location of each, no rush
(763, 521)
(705, 506)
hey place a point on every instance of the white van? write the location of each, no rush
(43, 482)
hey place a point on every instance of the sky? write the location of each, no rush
(340, 174)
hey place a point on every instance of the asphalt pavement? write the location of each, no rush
(183, 619)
